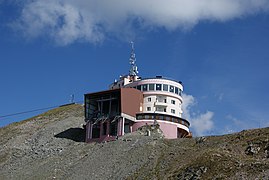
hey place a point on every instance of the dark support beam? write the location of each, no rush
(110, 103)
(108, 99)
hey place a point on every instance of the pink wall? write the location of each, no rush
(169, 130)
(131, 99)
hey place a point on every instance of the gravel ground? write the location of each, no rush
(51, 146)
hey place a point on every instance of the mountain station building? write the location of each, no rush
(132, 102)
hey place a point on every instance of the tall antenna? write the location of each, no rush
(133, 70)
(72, 98)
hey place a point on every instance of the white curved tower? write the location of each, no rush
(162, 101)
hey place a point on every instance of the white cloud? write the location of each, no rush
(66, 21)
(188, 102)
(63, 22)
(201, 123)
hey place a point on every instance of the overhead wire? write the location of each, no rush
(35, 110)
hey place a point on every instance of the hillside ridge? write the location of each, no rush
(51, 146)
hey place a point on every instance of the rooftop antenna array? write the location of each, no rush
(133, 70)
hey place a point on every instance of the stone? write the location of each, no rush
(252, 149)
(266, 151)
(200, 140)
(192, 173)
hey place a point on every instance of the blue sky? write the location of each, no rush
(218, 49)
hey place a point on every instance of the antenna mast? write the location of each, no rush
(133, 70)
(72, 98)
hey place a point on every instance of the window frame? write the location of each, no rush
(176, 90)
(145, 85)
(172, 89)
(165, 89)
(151, 87)
(180, 92)
(160, 87)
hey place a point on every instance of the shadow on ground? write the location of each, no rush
(75, 134)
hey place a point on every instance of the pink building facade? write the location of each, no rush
(132, 102)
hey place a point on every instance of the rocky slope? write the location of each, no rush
(50, 146)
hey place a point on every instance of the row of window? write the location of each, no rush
(163, 101)
(163, 117)
(164, 110)
(159, 87)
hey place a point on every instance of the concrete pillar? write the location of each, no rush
(119, 127)
(131, 128)
(101, 129)
(108, 128)
(91, 126)
(123, 121)
(88, 131)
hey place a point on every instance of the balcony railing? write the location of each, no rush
(161, 103)
(163, 117)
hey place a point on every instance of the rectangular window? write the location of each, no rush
(164, 100)
(151, 87)
(176, 90)
(173, 111)
(171, 89)
(165, 87)
(158, 87)
(145, 87)
(148, 108)
(179, 93)
(173, 102)
(149, 99)
(139, 87)
(164, 110)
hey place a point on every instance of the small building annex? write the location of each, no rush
(132, 102)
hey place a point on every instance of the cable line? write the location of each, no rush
(34, 110)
